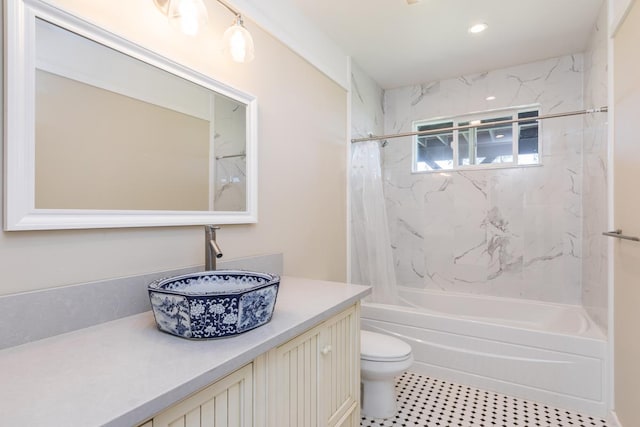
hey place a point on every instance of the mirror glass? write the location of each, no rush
(112, 132)
(104, 133)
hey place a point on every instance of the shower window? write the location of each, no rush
(494, 144)
(435, 151)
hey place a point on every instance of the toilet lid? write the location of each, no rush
(379, 347)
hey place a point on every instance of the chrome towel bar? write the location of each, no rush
(618, 235)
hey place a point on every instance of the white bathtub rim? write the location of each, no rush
(592, 326)
(592, 332)
(593, 329)
(516, 300)
(584, 345)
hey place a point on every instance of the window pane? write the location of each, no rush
(528, 140)
(495, 143)
(492, 143)
(486, 145)
(435, 151)
(466, 143)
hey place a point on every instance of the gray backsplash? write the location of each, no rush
(36, 315)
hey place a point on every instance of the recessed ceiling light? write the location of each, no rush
(478, 28)
(499, 136)
(490, 98)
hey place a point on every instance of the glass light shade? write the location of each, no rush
(238, 43)
(188, 16)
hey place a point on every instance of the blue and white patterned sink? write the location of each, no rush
(213, 304)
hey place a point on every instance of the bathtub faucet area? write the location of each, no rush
(211, 247)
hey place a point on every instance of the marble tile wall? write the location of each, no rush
(367, 99)
(505, 232)
(594, 177)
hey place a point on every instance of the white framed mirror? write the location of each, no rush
(101, 132)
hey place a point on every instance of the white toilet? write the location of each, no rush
(382, 358)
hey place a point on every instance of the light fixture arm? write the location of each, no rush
(190, 15)
(235, 12)
(162, 5)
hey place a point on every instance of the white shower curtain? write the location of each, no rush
(372, 262)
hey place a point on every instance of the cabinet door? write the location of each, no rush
(315, 377)
(226, 403)
(294, 373)
(340, 367)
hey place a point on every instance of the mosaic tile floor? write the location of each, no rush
(429, 402)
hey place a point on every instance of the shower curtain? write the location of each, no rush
(372, 258)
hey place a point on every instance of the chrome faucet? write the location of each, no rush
(212, 250)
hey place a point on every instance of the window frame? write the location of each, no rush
(469, 117)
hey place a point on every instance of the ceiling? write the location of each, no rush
(399, 44)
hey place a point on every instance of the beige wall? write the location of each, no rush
(121, 153)
(302, 167)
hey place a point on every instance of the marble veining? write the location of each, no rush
(423, 90)
(529, 232)
(514, 232)
(367, 103)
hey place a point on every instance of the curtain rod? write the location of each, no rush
(230, 156)
(483, 125)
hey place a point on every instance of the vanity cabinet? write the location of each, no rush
(157, 380)
(228, 402)
(312, 380)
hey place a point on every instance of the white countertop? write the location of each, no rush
(122, 372)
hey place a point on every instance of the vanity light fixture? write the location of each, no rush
(478, 28)
(190, 15)
(187, 16)
(238, 43)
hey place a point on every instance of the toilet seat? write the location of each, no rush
(382, 348)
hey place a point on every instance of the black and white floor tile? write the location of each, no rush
(429, 402)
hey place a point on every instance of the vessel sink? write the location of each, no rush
(213, 304)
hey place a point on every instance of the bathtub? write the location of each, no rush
(550, 353)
